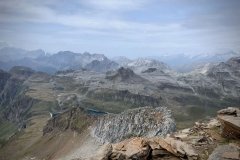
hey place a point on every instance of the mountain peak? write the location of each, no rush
(124, 75)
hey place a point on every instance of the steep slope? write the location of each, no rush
(19, 109)
(69, 135)
(227, 75)
(145, 121)
(13, 103)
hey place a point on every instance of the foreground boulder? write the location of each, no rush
(230, 122)
(148, 148)
(177, 147)
(231, 111)
(225, 152)
(136, 148)
(144, 122)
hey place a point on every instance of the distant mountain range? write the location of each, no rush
(186, 63)
(50, 63)
(39, 60)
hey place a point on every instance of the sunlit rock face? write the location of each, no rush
(145, 121)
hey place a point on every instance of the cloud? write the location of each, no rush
(115, 5)
(157, 25)
(30, 12)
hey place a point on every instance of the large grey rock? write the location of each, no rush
(230, 122)
(223, 152)
(230, 111)
(145, 121)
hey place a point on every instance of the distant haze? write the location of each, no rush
(129, 28)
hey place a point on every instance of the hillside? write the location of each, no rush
(30, 98)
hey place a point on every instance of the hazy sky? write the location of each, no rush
(122, 27)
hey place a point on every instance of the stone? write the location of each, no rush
(181, 135)
(231, 155)
(213, 123)
(230, 126)
(198, 140)
(166, 145)
(181, 148)
(186, 131)
(135, 148)
(230, 111)
(202, 140)
(160, 153)
(223, 152)
(177, 147)
(103, 153)
(153, 144)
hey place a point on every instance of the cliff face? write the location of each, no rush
(4, 78)
(75, 119)
(13, 101)
(227, 76)
(145, 121)
(124, 96)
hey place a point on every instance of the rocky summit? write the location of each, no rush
(203, 141)
(145, 121)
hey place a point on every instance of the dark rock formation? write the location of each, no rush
(4, 78)
(76, 119)
(125, 96)
(124, 75)
(149, 70)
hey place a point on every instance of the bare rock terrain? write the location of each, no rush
(145, 121)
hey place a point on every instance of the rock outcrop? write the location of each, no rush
(230, 122)
(143, 148)
(225, 152)
(203, 141)
(149, 70)
(76, 119)
(14, 104)
(145, 121)
(125, 96)
(227, 76)
(4, 78)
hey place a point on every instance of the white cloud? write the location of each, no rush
(116, 5)
(30, 12)
(109, 19)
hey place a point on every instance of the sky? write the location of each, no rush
(122, 27)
